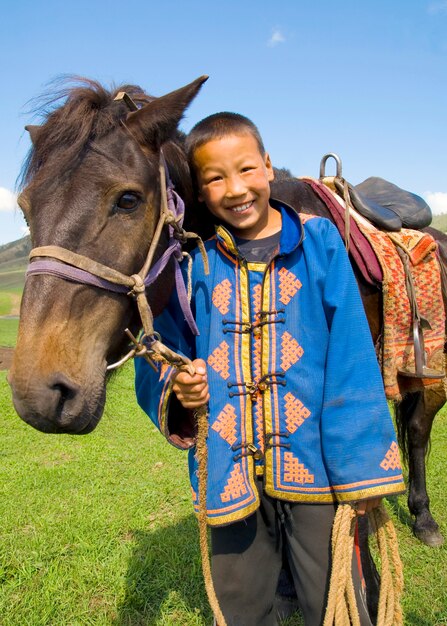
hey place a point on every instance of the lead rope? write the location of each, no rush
(201, 415)
(341, 606)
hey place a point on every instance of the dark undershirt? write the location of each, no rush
(258, 250)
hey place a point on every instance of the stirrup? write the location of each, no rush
(420, 356)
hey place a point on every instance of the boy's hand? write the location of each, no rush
(365, 506)
(192, 391)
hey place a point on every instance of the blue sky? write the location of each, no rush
(364, 78)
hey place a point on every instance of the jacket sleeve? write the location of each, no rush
(358, 438)
(154, 386)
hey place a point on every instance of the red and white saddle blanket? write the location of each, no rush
(396, 351)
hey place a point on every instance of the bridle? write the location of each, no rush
(74, 267)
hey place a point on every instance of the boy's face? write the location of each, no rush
(233, 180)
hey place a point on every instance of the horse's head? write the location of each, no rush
(91, 186)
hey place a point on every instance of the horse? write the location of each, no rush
(92, 185)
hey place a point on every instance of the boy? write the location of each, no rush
(298, 418)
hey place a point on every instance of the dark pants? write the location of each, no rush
(247, 559)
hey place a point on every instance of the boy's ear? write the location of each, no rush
(269, 167)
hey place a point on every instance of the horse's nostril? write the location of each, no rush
(65, 392)
(67, 389)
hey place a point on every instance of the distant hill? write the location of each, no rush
(13, 262)
(440, 222)
(15, 253)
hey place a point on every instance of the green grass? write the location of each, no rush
(5, 303)
(99, 530)
(8, 334)
(12, 280)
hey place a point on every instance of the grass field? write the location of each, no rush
(5, 303)
(11, 285)
(12, 280)
(98, 530)
(8, 334)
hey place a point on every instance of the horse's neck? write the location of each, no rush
(300, 196)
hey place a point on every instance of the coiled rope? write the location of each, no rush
(341, 607)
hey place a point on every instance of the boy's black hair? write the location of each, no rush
(215, 126)
(220, 125)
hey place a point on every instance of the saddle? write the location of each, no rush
(384, 204)
(383, 212)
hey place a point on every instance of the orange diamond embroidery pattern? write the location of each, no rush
(235, 487)
(288, 285)
(392, 458)
(256, 298)
(257, 406)
(295, 412)
(222, 296)
(225, 424)
(291, 351)
(219, 361)
(294, 471)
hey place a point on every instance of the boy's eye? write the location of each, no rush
(248, 168)
(213, 179)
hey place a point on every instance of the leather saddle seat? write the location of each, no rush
(386, 205)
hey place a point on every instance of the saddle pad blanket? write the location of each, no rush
(360, 250)
(397, 349)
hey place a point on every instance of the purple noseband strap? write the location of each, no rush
(77, 268)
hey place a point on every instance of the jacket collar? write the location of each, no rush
(292, 232)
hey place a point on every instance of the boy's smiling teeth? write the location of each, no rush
(241, 207)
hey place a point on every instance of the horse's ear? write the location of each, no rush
(157, 121)
(34, 132)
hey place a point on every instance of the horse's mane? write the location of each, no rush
(73, 112)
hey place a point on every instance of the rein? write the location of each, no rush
(77, 268)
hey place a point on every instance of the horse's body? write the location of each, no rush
(92, 186)
(417, 410)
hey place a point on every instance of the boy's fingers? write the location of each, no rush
(193, 389)
(365, 506)
(200, 366)
(193, 401)
(183, 378)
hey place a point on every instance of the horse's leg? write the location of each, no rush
(415, 416)
(369, 570)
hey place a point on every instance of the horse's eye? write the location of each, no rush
(128, 201)
(24, 205)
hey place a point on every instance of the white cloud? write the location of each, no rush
(8, 200)
(276, 38)
(440, 6)
(437, 200)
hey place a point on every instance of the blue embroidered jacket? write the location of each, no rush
(296, 391)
